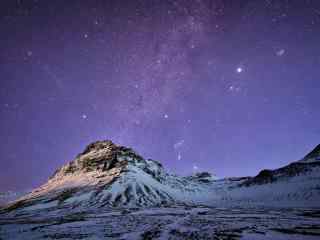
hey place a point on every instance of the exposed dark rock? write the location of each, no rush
(200, 177)
(151, 234)
(265, 176)
(99, 156)
(315, 153)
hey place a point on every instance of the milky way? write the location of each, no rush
(229, 87)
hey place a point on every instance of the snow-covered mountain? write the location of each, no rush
(106, 174)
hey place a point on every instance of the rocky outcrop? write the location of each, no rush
(100, 156)
(204, 177)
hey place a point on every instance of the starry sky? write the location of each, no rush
(225, 86)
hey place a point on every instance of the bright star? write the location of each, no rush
(239, 70)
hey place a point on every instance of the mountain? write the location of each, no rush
(109, 175)
(106, 174)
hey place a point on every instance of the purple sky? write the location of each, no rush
(229, 87)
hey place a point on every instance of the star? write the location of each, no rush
(233, 88)
(178, 144)
(195, 167)
(84, 116)
(137, 122)
(166, 116)
(239, 70)
(280, 53)
(6, 105)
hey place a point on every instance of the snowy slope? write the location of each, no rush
(108, 175)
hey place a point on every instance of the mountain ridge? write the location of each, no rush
(113, 175)
(110, 175)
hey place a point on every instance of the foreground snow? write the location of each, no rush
(175, 222)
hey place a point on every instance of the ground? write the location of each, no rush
(177, 222)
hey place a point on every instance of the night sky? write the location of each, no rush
(229, 87)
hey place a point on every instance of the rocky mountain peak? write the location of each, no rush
(100, 156)
(108, 172)
(99, 145)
